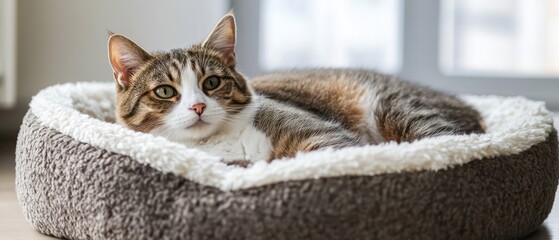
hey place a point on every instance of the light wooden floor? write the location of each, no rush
(12, 222)
(14, 226)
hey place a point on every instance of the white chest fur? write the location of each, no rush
(248, 143)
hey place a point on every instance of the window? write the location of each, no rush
(504, 37)
(502, 47)
(339, 33)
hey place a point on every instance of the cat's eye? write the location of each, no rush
(211, 83)
(165, 92)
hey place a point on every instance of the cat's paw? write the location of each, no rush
(238, 163)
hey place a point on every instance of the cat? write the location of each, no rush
(196, 96)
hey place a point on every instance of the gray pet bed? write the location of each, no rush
(79, 176)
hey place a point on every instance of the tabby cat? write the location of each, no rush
(196, 96)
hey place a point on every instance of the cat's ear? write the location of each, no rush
(125, 57)
(223, 39)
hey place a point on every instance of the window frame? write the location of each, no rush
(8, 53)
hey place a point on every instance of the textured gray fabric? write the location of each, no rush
(74, 190)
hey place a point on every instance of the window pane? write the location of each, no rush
(341, 33)
(500, 37)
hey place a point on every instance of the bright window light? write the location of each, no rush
(500, 37)
(331, 33)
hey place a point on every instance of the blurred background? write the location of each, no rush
(504, 47)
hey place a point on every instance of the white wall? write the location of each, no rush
(63, 41)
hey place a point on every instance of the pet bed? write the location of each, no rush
(80, 176)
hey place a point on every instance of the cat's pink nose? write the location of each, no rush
(198, 108)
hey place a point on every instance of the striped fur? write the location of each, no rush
(292, 129)
(377, 107)
(277, 115)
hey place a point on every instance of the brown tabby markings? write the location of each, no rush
(233, 93)
(403, 112)
(139, 107)
(293, 130)
(336, 103)
(142, 110)
(407, 112)
(337, 100)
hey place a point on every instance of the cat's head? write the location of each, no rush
(183, 94)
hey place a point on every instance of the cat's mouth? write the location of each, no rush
(198, 124)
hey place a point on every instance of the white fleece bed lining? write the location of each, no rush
(82, 111)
